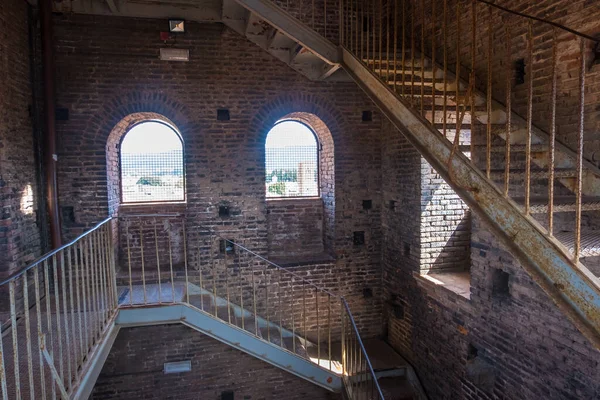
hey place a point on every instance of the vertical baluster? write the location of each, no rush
(279, 294)
(403, 46)
(343, 341)
(457, 79)
(254, 297)
(170, 246)
(13, 322)
(157, 262)
(78, 289)
(488, 149)
(95, 294)
(529, 115)
(433, 65)
(423, 61)
(341, 23)
(241, 285)
(356, 29)
(58, 322)
(373, 34)
(48, 319)
(362, 30)
(104, 282)
(380, 36)
(38, 311)
(412, 53)
(304, 306)
(129, 262)
(551, 144)
(72, 306)
(185, 262)
(580, 149)
(312, 22)
(325, 18)
(473, 76)
(214, 276)
(367, 33)
(318, 325)
(445, 95)
(227, 280)
(28, 336)
(66, 381)
(265, 274)
(387, 43)
(293, 316)
(143, 264)
(84, 296)
(200, 277)
(329, 329)
(508, 109)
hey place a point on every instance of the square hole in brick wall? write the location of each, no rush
(500, 285)
(471, 352)
(227, 395)
(223, 114)
(367, 293)
(392, 205)
(224, 211)
(367, 204)
(359, 238)
(367, 116)
(226, 246)
(520, 71)
(406, 249)
(68, 215)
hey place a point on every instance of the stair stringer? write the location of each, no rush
(232, 336)
(572, 287)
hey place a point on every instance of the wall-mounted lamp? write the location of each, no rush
(176, 26)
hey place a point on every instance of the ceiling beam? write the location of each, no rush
(113, 6)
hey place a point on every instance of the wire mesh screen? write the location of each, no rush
(152, 164)
(292, 166)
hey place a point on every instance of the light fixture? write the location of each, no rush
(171, 54)
(176, 26)
(177, 367)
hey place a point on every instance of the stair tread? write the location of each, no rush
(536, 174)
(590, 242)
(560, 203)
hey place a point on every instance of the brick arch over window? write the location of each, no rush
(328, 124)
(113, 145)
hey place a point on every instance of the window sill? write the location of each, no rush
(290, 199)
(456, 282)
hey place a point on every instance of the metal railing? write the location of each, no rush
(441, 58)
(230, 282)
(359, 378)
(55, 313)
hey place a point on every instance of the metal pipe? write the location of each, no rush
(50, 157)
(507, 68)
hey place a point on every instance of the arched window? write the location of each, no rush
(152, 167)
(292, 161)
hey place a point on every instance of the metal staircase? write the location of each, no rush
(426, 100)
(63, 313)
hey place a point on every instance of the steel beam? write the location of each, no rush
(293, 28)
(232, 336)
(570, 285)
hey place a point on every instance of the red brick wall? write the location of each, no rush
(19, 235)
(134, 369)
(107, 69)
(525, 348)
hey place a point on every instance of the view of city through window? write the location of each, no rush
(152, 164)
(291, 161)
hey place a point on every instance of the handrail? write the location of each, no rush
(52, 253)
(277, 266)
(557, 25)
(362, 348)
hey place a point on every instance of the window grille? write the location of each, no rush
(292, 161)
(152, 164)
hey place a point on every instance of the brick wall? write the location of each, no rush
(107, 70)
(506, 341)
(134, 369)
(19, 235)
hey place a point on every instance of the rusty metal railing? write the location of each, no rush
(55, 313)
(442, 59)
(223, 278)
